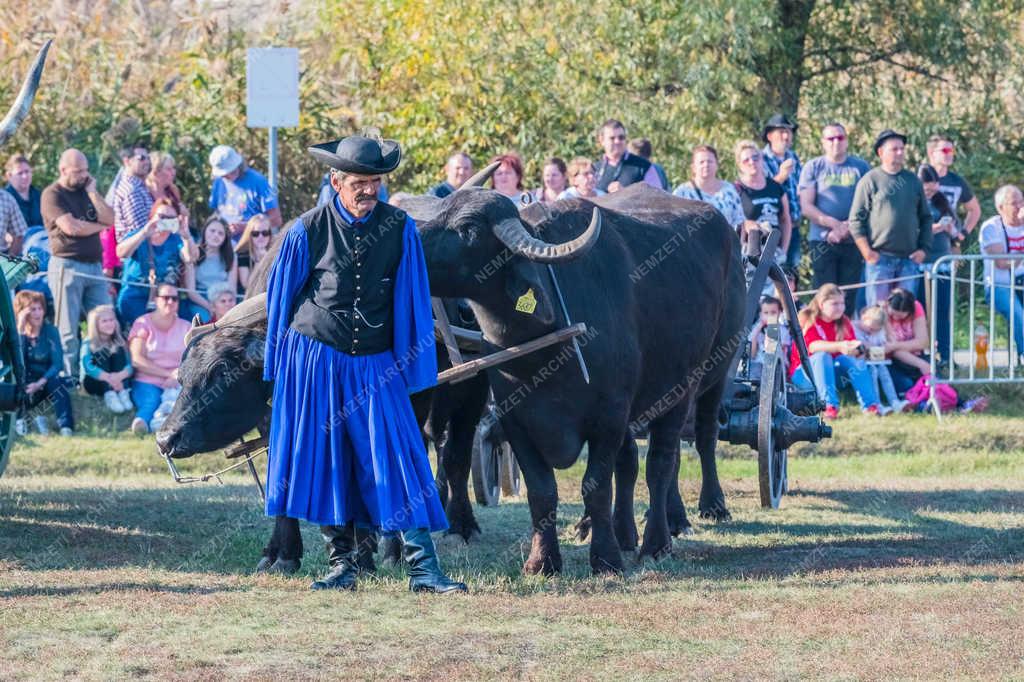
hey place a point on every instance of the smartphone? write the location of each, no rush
(168, 225)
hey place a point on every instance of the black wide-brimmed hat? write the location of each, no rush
(777, 121)
(888, 134)
(359, 155)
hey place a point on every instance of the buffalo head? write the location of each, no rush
(223, 394)
(477, 246)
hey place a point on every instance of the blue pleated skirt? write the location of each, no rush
(344, 442)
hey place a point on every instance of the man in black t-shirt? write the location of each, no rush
(940, 155)
(74, 214)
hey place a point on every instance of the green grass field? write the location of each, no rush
(898, 553)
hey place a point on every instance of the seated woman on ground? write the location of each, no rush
(44, 360)
(834, 353)
(908, 339)
(152, 255)
(105, 369)
(582, 179)
(156, 342)
(216, 263)
(252, 247)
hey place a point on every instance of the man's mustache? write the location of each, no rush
(366, 197)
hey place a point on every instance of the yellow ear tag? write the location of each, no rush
(526, 303)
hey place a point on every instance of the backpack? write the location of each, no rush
(945, 395)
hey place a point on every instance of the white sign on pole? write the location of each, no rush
(272, 87)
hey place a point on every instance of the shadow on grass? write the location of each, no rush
(221, 529)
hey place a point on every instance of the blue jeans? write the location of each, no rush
(57, 392)
(1003, 305)
(887, 267)
(883, 383)
(827, 371)
(147, 398)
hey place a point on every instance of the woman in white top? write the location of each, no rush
(216, 264)
(555, 181)
(582, 179)
(707, 187)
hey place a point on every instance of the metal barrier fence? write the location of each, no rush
(973, 366)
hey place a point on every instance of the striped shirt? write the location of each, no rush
(12, 222)
(132, 204)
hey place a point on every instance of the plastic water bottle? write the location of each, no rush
(981, 349)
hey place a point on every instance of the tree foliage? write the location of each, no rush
(537, 77)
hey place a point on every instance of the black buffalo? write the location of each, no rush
(224, 398)
(659, 283)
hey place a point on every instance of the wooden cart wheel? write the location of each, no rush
(510, 479)
(771, 460)
(486, 465)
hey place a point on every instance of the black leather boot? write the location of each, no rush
(424, 571)
(341, 557)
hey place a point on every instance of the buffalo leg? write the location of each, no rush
(712, 499)
(283, 553)
(678, 524)
(456, 456)
(662, 458)
(627, 467)
(366, 545)
(390, 547)
(605, 556)
(542, 496)
(289, 537)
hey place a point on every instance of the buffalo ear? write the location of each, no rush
(255, 349)
(525, 275)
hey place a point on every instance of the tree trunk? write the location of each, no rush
(782, 68)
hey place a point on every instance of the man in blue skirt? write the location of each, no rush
(350, 336)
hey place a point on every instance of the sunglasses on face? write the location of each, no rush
(142, 157)
(751, 159)
(261, 233)
(168, 298)
(835, 138)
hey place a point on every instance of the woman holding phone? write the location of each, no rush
(152, 255)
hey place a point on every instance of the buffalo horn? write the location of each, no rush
(514, 235)
(245, 313)
(481, 177)
(19, 110)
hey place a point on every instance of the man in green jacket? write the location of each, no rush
(890, 220)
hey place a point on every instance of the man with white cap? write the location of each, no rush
(239, 192)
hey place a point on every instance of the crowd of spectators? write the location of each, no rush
(136, 266)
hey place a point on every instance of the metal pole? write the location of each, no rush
(272, 159)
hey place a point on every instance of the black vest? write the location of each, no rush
(348, 299)
(631, 169)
